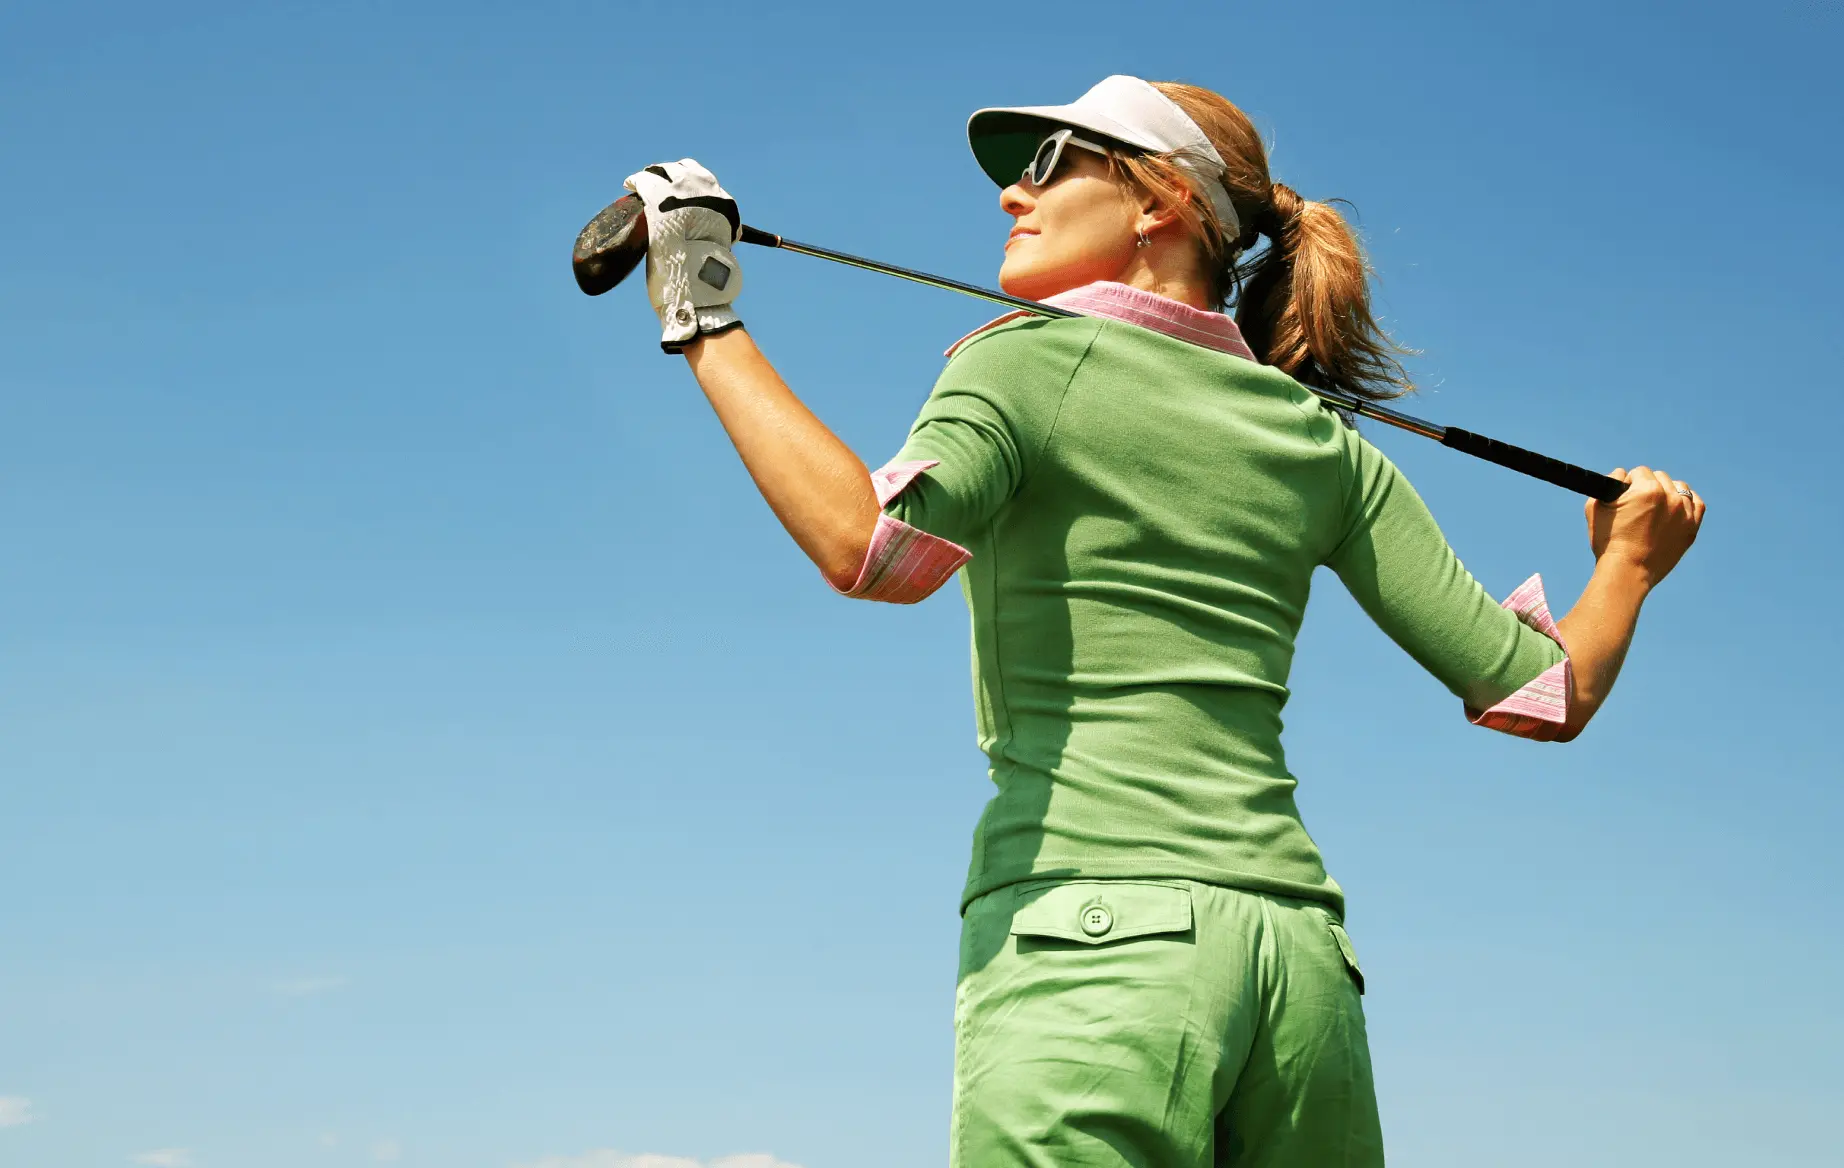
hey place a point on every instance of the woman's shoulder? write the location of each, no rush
(1025, 338)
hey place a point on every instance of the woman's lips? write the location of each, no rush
(1015, 236)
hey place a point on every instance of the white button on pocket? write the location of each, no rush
(1096, 920)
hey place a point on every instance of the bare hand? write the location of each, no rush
(1650, 527)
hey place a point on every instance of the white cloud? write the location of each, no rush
(15, 1110)
(609, 1158)
(307, 987)
(387, 1151)
(165, 1158)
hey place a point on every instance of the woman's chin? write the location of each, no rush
(1018, 278)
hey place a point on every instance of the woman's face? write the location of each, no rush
(1076, 229)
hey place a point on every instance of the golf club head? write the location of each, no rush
(610, 246)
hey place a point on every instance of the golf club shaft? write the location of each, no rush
(752, 235)
(1550, 470)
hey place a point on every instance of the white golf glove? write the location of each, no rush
(691, 274)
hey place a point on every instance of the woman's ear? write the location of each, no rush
(1157, 213)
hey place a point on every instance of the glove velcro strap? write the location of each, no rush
(710, 322)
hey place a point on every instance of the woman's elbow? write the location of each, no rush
(841, 579)
(1581, 712)
(843, 564)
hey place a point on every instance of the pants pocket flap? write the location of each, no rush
(1096, 912)
(1349, 952)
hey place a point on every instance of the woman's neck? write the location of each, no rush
(1152, 270)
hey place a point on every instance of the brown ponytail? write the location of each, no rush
(1303, 302)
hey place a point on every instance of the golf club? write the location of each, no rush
(613, 243)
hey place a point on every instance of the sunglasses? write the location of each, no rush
(1043, 163)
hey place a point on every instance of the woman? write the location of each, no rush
(1153, 965)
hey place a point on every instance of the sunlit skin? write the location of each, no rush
(1081, 226)
(1078, 228)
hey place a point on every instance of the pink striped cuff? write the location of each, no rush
(903, 564)
(1540, 708)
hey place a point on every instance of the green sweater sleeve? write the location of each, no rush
(987, 422)
(1400, 569)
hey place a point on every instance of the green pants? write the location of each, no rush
(1159, 1024)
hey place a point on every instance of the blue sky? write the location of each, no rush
(418, 743)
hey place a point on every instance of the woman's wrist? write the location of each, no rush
(718, 341)
(1626, 573)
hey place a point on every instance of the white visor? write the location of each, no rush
(1124, 109)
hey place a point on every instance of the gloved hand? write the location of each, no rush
(691, 274)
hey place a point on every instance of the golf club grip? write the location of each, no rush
(754, 235)
(1541, 466)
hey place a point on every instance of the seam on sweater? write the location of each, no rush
(1309, 411)
(1347, 486)
(1000, 696)
(1063, 400)
(992, 525)
(1351, 528)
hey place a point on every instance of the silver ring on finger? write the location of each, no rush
(1681, 488)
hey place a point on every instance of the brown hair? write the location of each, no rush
(1303, 302)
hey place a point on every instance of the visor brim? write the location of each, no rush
(1005, 140)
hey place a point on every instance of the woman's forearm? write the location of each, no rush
(1598, 631)
(812, 481)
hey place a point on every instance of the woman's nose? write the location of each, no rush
(1014, 201)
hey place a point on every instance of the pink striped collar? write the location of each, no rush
(1112, 301)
